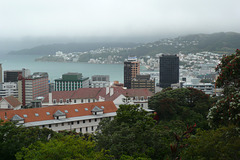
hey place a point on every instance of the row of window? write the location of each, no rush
(74, 101)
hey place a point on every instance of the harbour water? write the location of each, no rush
(56, 69)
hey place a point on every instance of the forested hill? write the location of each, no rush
(217, 42)
(69, 47)
(224, 42)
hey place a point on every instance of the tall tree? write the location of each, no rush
(227, 109)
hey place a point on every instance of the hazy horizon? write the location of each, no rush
(27, 23)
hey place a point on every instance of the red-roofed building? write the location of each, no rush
(9, 102)
(79, 117)
(87, 95)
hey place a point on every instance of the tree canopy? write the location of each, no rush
(186, 104)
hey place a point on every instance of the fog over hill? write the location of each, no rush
(217, 42)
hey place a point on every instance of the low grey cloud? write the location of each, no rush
(19, 18)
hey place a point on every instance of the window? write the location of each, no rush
(76, 110)
(25, 115)
(66, 111)
(72, 123)
(75, 101)
(77, 122)
(102, 107)
(83, 121)
(36, 114)
(92, 128)
(67, 100)
(86, 129)
(43, 126)
(89, 120)
(80, 129)
(89, 100)
(50, 126)
(86, 109)
(62, 124)
(95, 119)
(61, 100)
(54, 101)
(47, 113)
(56, 125)
(69, 123)
(81, 100)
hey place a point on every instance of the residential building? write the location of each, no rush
(118, 95)
(9, 102)
(32, 87)
(168, 70)
(71, 81)
(8, 88)
(143, 81)
(12, 75)
(82, 118)
(99, 81)
(131, 70)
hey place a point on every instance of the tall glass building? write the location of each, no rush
(168, 70)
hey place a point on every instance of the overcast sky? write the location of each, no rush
(120, 18)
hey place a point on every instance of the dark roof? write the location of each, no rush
(59, 113)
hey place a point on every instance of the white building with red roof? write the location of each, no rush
(87, 95)
(82, 118)
(9, 102)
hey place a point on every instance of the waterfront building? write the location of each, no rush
(31, 87)
(168, 70)
(82, 118)
(71, 81)
(12, 75)
(8, 89)
(99, 81)
(207, 88)
(131, 70)
(143, 81)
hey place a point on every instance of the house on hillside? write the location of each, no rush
(82, 118)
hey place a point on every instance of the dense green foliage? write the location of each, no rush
(131, 133)
(13, 138)
(186, 104)
(219, 144)
(64, 147)
(227, 109)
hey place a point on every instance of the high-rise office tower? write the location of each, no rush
(131, 70)
(168, 70)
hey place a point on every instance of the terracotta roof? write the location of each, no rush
(85, 93)
(12, 101)
(40, 114)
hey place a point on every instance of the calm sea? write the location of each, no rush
(56, 69)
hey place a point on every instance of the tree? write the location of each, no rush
(65, 147)
(227, 109)
(13, 138)
(133, 133)
(220, 144)
(186, 104)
